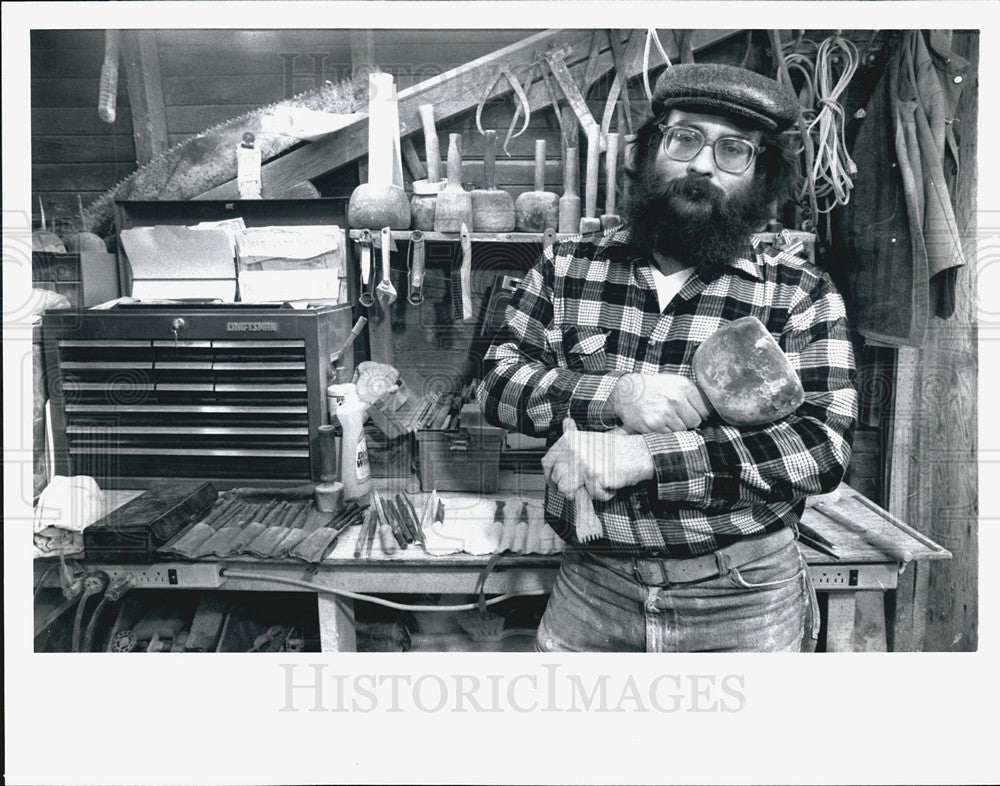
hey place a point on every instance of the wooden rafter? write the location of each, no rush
(145, 93)
(451, 93)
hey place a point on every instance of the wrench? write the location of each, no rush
(386, 291)
(416, 294)
(366, 298)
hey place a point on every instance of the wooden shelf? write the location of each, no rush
(807, 238)
(453, 237)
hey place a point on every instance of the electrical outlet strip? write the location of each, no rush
(180, 575)
(851, 577)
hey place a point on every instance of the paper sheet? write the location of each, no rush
(291, 263)
(148, 290)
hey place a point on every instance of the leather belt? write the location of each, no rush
(666, 571)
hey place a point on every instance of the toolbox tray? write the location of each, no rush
(462, 459)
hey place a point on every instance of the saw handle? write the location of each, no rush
(107, 93)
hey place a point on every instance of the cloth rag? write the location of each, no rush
(71, 503)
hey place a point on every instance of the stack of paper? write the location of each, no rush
(283, 263)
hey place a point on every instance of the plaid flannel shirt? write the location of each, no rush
(587, 313)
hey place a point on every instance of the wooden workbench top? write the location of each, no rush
(850, 546)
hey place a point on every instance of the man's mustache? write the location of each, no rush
(691, 187)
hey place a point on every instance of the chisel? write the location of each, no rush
(399, 520)
(405, 507)
(363, 534)
(465, 273)
(388, 536)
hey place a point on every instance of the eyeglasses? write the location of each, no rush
(732, 154)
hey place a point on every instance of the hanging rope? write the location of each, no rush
(824, 73)
(808, 188)
(651, 35)
(833, 170)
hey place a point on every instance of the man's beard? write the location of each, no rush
(693, 222)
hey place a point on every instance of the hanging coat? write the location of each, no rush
(899, 240)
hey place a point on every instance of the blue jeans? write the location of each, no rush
(766, 605)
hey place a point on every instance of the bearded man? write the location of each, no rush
(698, 517)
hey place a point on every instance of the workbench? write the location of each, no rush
(855, 583)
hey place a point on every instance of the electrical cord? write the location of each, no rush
(93, 584)
(831, 170)
(41, 581)
(112, 594)
(88, 636)
(239, 574)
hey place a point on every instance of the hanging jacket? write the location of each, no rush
(899, 240)
(924, 102)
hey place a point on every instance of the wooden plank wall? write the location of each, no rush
(72, 150)
(935, 483)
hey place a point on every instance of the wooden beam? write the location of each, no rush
(362, 51)
(869, 622)
(451, 93)
(950, 469)
(145, 92)
(336, 623)
(841, 608)
(933, 481)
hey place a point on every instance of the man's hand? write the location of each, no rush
(648, 403)
(603, 462)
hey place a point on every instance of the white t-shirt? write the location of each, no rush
(668, 286)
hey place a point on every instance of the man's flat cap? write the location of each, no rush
(731, 90)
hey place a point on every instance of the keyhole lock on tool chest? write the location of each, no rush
(176, 327)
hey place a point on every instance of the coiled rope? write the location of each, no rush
(833, 169)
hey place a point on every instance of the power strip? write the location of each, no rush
(852, 577)
(180, 575)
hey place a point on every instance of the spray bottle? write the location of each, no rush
(348, 414)
(347, 408)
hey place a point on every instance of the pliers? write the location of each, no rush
(523, 104)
